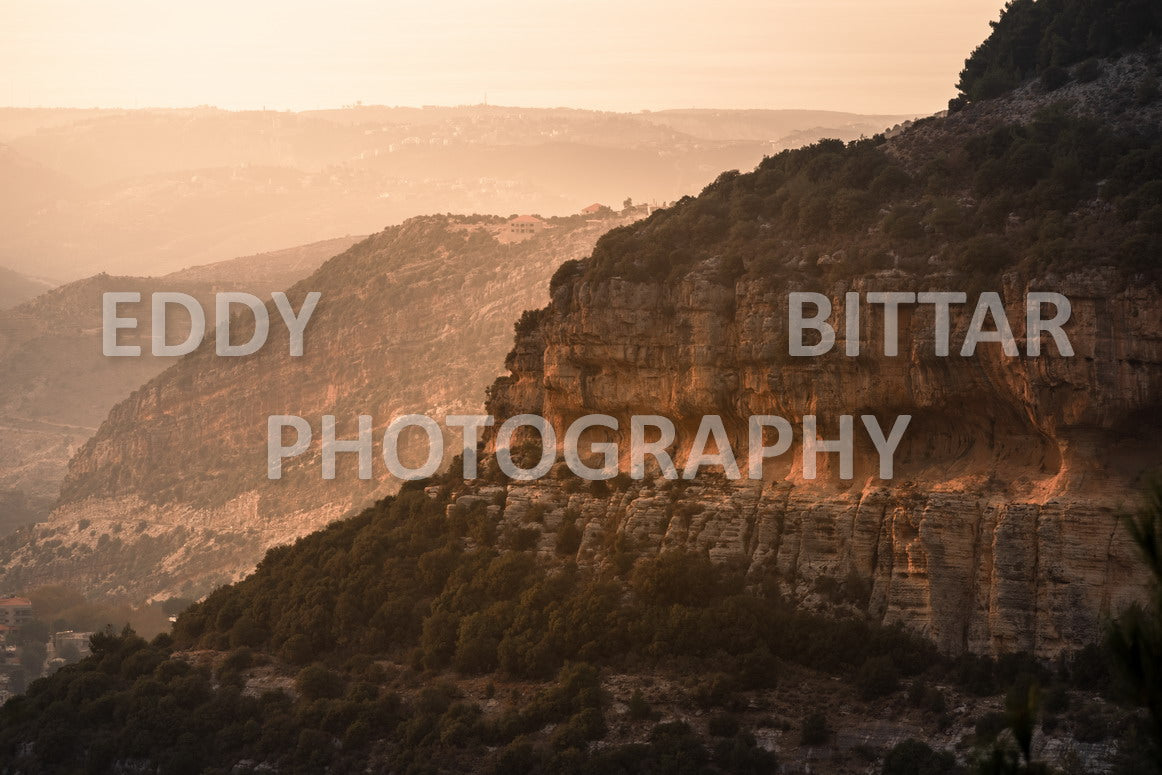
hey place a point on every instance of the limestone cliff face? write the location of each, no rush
(998, 531)
(171, 496)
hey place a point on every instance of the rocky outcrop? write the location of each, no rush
(998, 532)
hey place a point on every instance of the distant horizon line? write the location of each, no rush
(435, 106)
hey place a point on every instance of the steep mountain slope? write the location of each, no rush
(414, 319)
(55, 384)
(998, 532)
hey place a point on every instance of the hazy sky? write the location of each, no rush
(886, 56)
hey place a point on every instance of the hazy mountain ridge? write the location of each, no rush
(56, 386)
(414, 319)
(15, 288)
(776, 126)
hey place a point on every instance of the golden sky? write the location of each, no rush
(882, 56)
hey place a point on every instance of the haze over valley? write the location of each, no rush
(146, 192)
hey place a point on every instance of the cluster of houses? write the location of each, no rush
(522, 227)
(14, 613)
(62, 647)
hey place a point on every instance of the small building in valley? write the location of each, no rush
(525, 226)
(70, 645)
(15, 611)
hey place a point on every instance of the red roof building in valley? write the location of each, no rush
(524, 226)
(15, 611)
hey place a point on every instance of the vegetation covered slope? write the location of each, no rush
(1055, 193)
(361, 646)
(1076, 182)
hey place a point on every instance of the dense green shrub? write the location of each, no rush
(639, 709)
(723, 725)
(316, 682)
(877, 677)
(1053, 78)
(927, 697)
(568, 536)
(990, 725)
(913, 757)
(816, 730)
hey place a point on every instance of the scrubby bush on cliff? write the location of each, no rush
(816, 730)
(877, 677)
(317, 682)
(569, 536)
(913, 757)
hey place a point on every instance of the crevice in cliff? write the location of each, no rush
(779, 513)
(1035, 630)
(875, 558)
(850, 548)
(1106, 607)
(750, 527)
(882, 600)
(974, 579)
